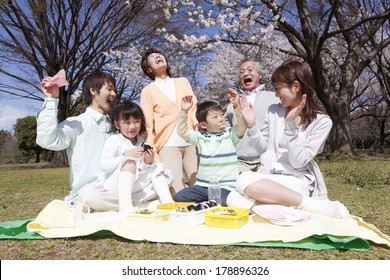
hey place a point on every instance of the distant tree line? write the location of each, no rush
(21, 147)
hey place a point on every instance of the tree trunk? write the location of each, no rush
(37, 155)
(336, 103)
(382, 135)
(63, 105)
(59, 159)
(339, 138)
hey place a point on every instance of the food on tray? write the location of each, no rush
(149, 215)
(144, 211)
(197, 207)
(173, 205)
(230, 212)
(182, 209)
(191, 214)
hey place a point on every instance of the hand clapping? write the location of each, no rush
(186, 103)
(233, 97)
(247, 112)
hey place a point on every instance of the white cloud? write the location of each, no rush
(9, 115)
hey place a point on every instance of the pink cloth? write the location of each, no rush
(279, 214)
(59, 80)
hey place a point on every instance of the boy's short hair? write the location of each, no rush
(204, 107)
(145, 65)
(95, 81)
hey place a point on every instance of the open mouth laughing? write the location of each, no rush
(247, 81)
(110, 100)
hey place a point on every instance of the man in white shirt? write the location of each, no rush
(82, 136)
(250, 77)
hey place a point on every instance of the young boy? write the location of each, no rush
(216, 146)
(83, 137)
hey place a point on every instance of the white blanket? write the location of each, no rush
(257, 229)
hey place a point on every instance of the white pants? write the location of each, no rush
(238, 198)
(98, 198)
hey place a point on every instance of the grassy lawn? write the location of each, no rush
(361, 184)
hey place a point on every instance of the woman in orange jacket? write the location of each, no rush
(161, 104)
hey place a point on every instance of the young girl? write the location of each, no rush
(130, 171)
(161, 103)
(294, 132)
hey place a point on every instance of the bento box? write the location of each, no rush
(153, 215)
(226, 217)
(193, 213)
(173, 205)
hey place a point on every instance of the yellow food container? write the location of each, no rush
(220, 217)
(173, 205)
(151, 215)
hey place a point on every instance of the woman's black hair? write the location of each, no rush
(145, 65)
(294, 70)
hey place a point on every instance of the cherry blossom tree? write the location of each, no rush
(329, 35)
(221, 70)
(38, 38)
(371, 100)
(127, 64)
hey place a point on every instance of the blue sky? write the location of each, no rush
(13, 109)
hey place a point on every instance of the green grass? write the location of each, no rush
(362, 184)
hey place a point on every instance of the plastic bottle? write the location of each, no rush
(214, 190)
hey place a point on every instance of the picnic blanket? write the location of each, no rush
(319, 233)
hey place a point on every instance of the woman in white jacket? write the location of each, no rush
(294, 132)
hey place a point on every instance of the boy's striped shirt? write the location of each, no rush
(217, 153)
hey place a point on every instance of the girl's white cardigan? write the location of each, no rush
(301, 152)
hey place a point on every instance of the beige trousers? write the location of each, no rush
(245, 167)
(183, 162)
